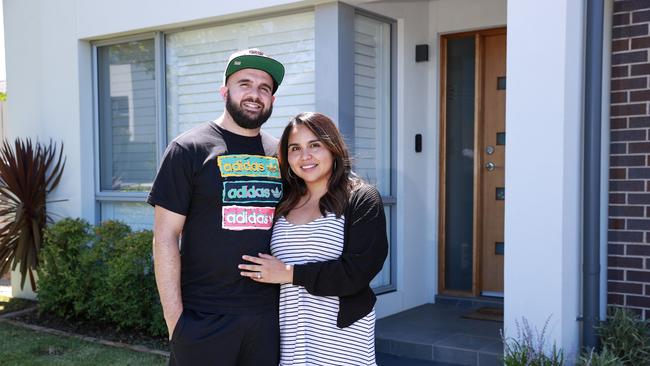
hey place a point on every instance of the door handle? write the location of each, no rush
(490, 166)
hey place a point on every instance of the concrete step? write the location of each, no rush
(439, 333)
(470, 302)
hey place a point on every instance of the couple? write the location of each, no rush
(232, 198)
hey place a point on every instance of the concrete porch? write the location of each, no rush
(438, 332)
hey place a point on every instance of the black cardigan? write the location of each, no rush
(365, 248)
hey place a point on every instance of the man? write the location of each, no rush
(217, 189)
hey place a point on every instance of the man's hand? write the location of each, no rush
(172, 321)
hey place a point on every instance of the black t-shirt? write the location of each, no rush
(227, 188)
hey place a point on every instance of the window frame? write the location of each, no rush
(390, 200)
(102, 196)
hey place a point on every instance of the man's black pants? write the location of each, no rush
(225, 339)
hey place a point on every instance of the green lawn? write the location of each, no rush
(20, 346)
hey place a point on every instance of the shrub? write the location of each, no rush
(131, 285)
(626, 336)
(94, 268)
(59, 273)
(104, 275)
(604, 358)
(528, 349)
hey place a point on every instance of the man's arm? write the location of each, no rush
(167, 263)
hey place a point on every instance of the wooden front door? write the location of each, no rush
(472, 163)
(491, 151)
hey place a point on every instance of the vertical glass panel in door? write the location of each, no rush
(459, 165)
(127, 115)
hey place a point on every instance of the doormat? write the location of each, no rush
(492, 314)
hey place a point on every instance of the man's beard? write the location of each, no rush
(242, 119)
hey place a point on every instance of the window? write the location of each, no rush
(138, 215)
(152, 88)
(127, 116)
(196, 61)
(127, 119)
(372, 117)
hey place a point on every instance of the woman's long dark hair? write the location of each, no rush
(342, 180)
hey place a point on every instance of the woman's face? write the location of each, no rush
(308, 157)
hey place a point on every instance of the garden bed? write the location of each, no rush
(10, 305)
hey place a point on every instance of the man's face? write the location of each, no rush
(249, 97)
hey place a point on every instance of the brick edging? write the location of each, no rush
(18, 313)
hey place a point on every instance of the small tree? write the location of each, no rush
(28, 172)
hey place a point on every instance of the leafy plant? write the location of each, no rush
(602, 358)
(94, 266)
(102, 274)
(131, 286)
(60, 273)
(626, 336)
(28, 172)
(3, 97)
(528, 348)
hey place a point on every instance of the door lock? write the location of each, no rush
(490, 166)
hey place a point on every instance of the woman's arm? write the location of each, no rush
(362, 259)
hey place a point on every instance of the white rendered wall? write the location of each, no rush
(452, 16)
(418, 112)
(43, 67)
(100, 18)
(542, 214)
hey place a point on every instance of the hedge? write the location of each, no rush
(102, 274)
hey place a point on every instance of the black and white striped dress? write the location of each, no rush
(308, 331)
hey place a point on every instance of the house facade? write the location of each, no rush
(418, 88)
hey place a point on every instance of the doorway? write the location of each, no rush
(472, 163)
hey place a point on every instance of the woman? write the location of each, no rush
(329, 242)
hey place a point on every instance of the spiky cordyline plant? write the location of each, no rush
(28, 172)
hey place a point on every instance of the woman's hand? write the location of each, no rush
(267, 269)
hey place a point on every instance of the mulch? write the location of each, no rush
(11, 305)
